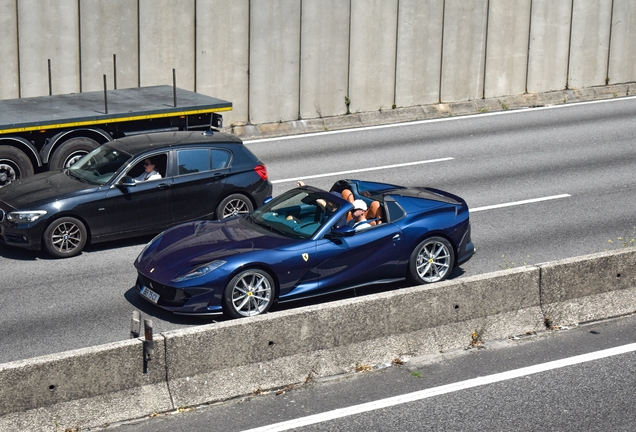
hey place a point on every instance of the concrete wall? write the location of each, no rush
(507, 47)
(372, 54)
(222, 53)
(463, 50)
(622, 61)
(287, 60)
(549, 45)
(48, 30)
(105, 384)
(109, 41)
(589, 46)
(419, 52)
(167, 42)
(9, 50)
(324, 63)
(274, 60)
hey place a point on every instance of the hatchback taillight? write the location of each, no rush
(261, 170)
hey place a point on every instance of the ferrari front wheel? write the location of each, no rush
(249, 293)
(431, 261)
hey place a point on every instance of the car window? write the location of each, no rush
(395, 212)
(221, 159)
(160, 162)
(193, 161)
(100, 165)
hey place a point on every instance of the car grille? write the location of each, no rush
(1, 215)
(168, 296)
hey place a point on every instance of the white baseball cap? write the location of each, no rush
(359, 204)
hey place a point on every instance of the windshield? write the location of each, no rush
(296, 213)
(100, 165)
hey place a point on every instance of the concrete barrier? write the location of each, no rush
(589, 288)
(104, 384)
(238, 357)
(83, 388)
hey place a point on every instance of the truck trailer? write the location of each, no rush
(52, 132)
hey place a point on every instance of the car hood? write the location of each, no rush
(41, 188)
(194, 243)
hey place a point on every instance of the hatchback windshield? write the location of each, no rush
(100, 165)
(296, 213)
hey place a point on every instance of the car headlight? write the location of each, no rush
(25, 215)
(199, 271)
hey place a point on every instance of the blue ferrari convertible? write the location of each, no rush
(303, 243)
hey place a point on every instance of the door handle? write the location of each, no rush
(396, 237)
(164, 186)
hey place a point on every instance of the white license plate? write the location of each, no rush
(149, 294)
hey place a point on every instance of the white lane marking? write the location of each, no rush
(418, 122)
(516, 203)
(362, 170)
(449, 388)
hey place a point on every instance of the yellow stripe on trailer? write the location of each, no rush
(111, 120)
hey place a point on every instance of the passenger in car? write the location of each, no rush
(359, 220)
(149, 172)
(327, 208)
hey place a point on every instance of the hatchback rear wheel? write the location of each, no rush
(234, 205)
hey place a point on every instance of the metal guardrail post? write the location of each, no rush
(149, 345)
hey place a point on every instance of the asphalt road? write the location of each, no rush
(583, 154)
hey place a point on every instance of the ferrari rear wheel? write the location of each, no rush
(431, 261)
(249, 293)
(65, 237)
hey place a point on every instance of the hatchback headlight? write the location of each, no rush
(25, 215)
(199, 271)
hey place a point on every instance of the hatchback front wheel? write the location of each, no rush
(65, 237)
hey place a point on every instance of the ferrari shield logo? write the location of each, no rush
(305, 256)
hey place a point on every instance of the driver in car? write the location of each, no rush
(359, 220)
(149, 172)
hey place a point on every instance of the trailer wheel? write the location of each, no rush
(70, 152)
(14, 165)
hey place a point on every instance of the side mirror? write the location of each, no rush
(127, 181)
(343, 231)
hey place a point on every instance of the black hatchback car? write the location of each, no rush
(133, 186)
